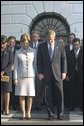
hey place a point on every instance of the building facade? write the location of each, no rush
(18, 17)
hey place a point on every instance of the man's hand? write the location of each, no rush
(67, 78)
(63, 76)
(40, 76)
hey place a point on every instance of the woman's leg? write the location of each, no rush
(7, 102)
(29, 106)
(22, 104)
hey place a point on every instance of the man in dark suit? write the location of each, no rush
(75, 75)
(38, 100)
(68, 82)
(51, 67)
(69, 46)
(12, 45)
(34, 39)
(77, 55)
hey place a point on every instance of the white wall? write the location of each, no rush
(16, 16)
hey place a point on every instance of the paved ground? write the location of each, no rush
(40, 118)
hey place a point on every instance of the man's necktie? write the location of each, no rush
(50, 51)
(76, 54)
(34, 45)
(76, 58)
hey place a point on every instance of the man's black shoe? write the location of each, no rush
(50, 117)
(60, 117)
(2, 112)
(72, 109)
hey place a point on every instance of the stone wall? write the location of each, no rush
(16, 16)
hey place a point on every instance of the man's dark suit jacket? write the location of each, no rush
(80, 63)
(58, 64)
(72, 64)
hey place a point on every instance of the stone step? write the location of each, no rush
(40, 118)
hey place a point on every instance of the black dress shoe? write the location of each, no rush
(50, 117)
(22, 118)
(72, 109)
(28, 118)
(60, 117)
(2, 112)
(7, 113)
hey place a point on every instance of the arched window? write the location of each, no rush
(50, 20)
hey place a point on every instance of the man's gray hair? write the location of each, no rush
(50, 32)
(34, 32)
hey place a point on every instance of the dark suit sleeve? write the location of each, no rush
(10, 62)
(63, 60)
(11, 57)
(39, 60)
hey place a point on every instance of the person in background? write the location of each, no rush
(77, 55)
(69, 46)
(17, 45)
(38, 100)
(81, 43)
(68, 82)
(11, 43)
(6, 68)
(52, 69)
(24, 75)
(34, 39)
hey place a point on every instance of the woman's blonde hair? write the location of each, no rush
(3, 38)
(25, 37)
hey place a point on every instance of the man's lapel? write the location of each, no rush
(79, 54)
(56, 49)
(47, 52)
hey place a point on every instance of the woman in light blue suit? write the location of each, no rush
(24, 75)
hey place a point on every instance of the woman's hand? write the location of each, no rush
(2, 73)
(16, 82)
(67, 78)
(40, 76)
